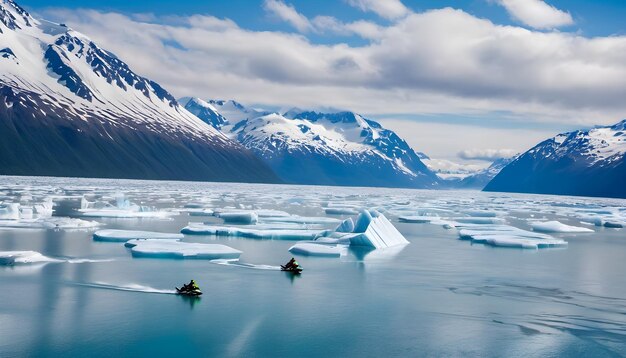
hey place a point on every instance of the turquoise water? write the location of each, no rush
(437, 296)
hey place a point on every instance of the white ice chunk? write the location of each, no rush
(10, 211)
(183, 250)
(518, 242)
(481, 213)
(270, 213)
(376, 231)
(200, 212)
(340, 211)
(239, 217)
(8, 258)
(54, 223)
(133, 213)
(558, 227)
(479, 220)
(346, 226)
(252, 233)
(302, 220)
(135, 242)
(312, 249)
(418, 219)
(125, 235)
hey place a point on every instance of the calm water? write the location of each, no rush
(438, 296)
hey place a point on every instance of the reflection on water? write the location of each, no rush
(437, 296)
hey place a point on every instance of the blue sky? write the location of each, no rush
(482, 74)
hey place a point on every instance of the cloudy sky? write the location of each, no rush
(465, 80)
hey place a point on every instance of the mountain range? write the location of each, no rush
(71, 108)
(583, 162)
(308, 147)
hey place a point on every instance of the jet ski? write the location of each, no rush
(190, 289)
(188, 292)
(295, 270)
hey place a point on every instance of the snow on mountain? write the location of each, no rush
(583, 162)
(70, 107)
(481, 178)
(323, 148)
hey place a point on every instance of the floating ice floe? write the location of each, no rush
(200, 212)
(509, 236)
(252, 232)
(557, 227)
(134, 242)
(521, 243)
(132, 213)
(182, 250)
(54, 223)
(301, 220)
(418, 219)
(340, 211)
(9, 258)
(375, 231)
(239, 217)
(313, 249)
(125, 235)
(481, 213)
(479, 220)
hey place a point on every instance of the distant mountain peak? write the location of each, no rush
(342, 147)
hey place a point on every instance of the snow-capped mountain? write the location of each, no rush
(586, 163)
(481, 178)
(71, 108)
(309, 147)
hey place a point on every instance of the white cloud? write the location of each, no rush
(537, 13)
(486, 154)
(389, 9)
(289, 14)
(440, 61)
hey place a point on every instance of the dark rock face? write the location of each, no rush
(58, 143)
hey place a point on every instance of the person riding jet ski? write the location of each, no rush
(191, 289)
(292, 266)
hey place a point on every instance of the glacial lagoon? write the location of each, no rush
(473, 279)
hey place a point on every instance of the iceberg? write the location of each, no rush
(346, 226)
(376, 231)
(557, 227)
(125, 235)
(312, 249)
(252, 233)
(183, 250)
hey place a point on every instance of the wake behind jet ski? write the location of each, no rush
(292, 266)
(190, 289)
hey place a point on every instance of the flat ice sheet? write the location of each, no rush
(252, 233)
(312, 249)
(125, 235)
(557, 227)
(169, 249)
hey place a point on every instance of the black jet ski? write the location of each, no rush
(188, 292)
(190, 289)
(293, 269)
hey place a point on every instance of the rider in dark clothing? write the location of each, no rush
(191, 286)
(292, 264)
